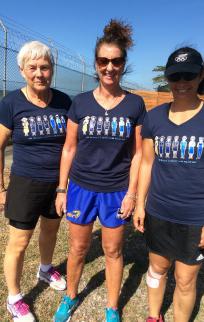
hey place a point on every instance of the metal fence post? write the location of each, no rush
(5, 57)
(55, 55)
(83, 72)
(55, 67)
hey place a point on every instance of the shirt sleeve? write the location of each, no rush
(6, 113)
(146, 128)
(142, 112)
(72, 113)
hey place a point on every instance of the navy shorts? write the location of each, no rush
(84, 206)
(28, 199)
(172, 240)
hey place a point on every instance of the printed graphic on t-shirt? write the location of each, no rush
(179, 149)
(36, 126)
(115, 127)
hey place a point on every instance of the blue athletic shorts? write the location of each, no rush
(84, 206)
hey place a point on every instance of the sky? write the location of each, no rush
(159, 27)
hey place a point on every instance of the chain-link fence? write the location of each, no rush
(72, 73)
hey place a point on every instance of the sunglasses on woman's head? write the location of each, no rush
(176, 77)
(116, 62)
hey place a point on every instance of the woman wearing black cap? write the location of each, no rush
(172, 178)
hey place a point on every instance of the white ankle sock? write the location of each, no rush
(45, 268)
(14, 298)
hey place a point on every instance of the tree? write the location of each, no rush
(159, 80)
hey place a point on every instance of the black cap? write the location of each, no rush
(184, 60)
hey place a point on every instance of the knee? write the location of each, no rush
(159, 269)
(50, 229)
(112, 251)
(155, 275)
(185, 284)
(17, 244)
(79, 249)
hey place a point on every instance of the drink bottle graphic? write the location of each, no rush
(175, 146)
(53, 124)
(191, 147)
(156, 145)
(92, 124)
(128, 127)
(46, 124)
(25, 125)
(99, 125)
(183, 146)
(106, 125)
(85, 125)
(114, 125)
(64, 123)
(32, 125)
(200, 147)
(59, 124)
(168, 147)
(39, 124)
(121, 126)
(161, 146)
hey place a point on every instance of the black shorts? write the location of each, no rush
(174, 241)
(27, 200)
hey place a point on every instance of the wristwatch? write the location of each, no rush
(60, 190)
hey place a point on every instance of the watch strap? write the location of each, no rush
(61, 190)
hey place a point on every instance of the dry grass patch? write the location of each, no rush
(133, 299)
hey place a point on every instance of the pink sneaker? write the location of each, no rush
(53, 278)
(20, 312)
(150, 319)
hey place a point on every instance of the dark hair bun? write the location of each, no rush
(118, 31)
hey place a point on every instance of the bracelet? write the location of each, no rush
(61, 190)
(131, 196)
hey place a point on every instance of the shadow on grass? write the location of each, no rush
(200, 293)
(135, 253)
(33, 294)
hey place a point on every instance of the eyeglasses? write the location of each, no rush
(116, 62)
(176, 77)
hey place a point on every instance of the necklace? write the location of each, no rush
(38, 99)
(107, 104)
(110, 105)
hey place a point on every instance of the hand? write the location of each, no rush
(2, 199)
(127, 207)
(201, 244)
(60, 203)
(138, 219)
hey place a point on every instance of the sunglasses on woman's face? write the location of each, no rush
(176, 77)
(116, 62)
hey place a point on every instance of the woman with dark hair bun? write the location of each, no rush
(172, 177)
(101, 157)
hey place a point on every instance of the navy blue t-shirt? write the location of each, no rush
(38, 134)
(177, 185)
(105, 141)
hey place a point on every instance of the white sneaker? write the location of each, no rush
(53, 278)
(20, 311)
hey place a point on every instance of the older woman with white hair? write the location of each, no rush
(35, 117)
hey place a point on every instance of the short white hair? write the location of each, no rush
(34, 50)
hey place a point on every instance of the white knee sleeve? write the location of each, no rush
(152, 278)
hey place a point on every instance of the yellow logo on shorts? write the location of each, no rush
(74, 214)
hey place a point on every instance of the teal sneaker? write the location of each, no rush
(65, 309)
(112, 315)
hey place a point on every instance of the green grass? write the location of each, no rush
(133, 299)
